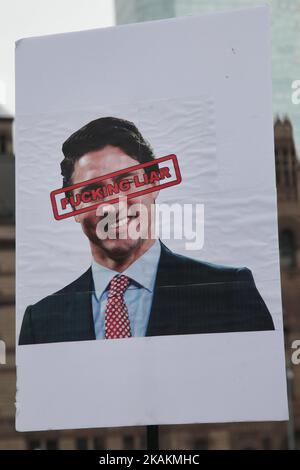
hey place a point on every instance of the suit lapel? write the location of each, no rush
(80, 307)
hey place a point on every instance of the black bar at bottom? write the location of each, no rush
(152, 438)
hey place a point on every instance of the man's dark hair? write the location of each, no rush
(98, 134)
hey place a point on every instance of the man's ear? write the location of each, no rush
(77, 219)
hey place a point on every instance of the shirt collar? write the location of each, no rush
(142, 271)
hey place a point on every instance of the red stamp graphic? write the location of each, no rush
(99, 191)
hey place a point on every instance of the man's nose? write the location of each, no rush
(105, 210)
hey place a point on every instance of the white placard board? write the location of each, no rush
(200, 88)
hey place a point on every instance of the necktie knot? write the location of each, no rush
(118, 286)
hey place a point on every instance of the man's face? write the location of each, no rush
(93, 165)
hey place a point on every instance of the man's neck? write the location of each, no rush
(122, 263)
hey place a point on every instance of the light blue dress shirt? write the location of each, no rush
(138, 296)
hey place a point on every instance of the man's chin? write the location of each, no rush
(119, 248)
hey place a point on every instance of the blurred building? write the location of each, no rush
(288, 196)
(285, 44)
(219, 436)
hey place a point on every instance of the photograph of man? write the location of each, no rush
(137, 287)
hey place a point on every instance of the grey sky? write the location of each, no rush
(24, 18)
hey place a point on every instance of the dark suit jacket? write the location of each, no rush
(189, 297)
